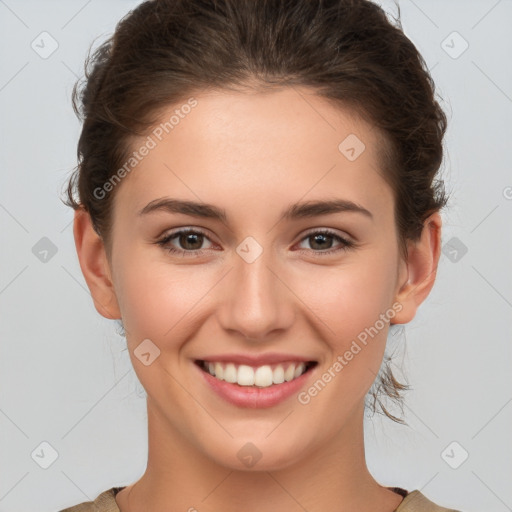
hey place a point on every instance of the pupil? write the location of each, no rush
(320, 237)
(190, 236)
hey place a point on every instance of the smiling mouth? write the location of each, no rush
(259, 376)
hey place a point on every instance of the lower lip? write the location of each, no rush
(252, 396)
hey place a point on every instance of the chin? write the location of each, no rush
(252, 454)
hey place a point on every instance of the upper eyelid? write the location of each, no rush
(179, 231)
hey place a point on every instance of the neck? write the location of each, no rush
(332, 477)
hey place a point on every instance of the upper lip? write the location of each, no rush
(255, 360)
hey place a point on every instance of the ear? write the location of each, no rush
(418, 273)
(94, 264)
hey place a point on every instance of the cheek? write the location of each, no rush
(157, 299)
(355, 304)
(351, 297)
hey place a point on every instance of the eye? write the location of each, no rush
(190, 239)
(322, 240)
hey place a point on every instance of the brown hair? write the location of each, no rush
(346, 51)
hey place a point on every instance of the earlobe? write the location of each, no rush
(421, 268)
(94, 264)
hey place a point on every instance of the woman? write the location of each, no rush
(256, 200)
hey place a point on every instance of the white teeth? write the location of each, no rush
(299, 370)
(262, 376)
(219, 371)
(289, 373)
(245, 375)
(230, 373)
(278, 375)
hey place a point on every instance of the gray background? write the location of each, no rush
(65, 378)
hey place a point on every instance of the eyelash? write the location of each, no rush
(346, 244)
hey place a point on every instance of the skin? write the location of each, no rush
(254, 154)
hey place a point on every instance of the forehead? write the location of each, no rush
(242, 148)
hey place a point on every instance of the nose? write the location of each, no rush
(256, 301)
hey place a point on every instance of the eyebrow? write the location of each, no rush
(295, 211)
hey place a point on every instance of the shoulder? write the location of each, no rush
(415, 501)
(105, 502)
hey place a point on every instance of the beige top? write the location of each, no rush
(413, 501)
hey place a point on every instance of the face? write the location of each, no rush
(257, 288)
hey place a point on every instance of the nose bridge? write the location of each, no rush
(256, 301)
